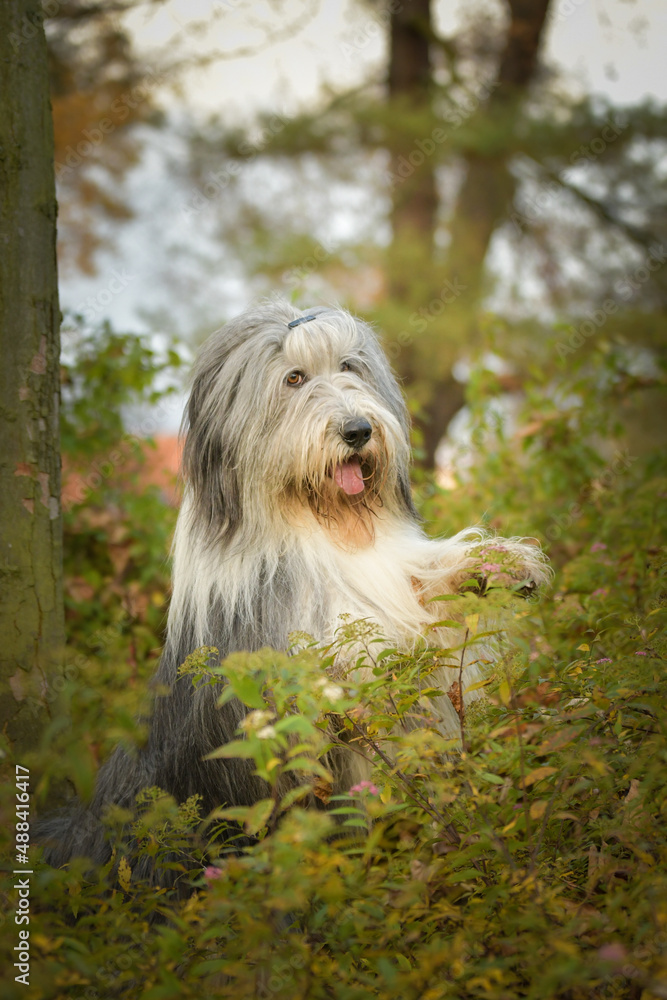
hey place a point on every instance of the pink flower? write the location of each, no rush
(598, 546)
(600, 592)
(613, 952)
(641, 652)
(605, 659)
(490, 567)
(365, 786)
(212, 872)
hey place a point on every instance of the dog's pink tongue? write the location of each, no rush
(348, 476)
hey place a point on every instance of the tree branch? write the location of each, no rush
(641, 236)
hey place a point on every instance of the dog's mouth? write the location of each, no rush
(349, 476)
(346, 494)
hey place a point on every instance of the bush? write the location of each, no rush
(527, 860)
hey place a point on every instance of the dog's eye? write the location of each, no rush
(346, 366)
(295, 378)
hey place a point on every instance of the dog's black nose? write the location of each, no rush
(356, 432)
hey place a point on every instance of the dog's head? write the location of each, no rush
(291, 411)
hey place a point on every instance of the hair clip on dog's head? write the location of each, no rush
(300, 320)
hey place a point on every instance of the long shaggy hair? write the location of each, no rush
(297, 512)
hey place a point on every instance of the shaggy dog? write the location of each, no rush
(297, 511)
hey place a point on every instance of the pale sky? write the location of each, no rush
(612, 47)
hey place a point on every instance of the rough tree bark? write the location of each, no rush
(484, 197)
(31, 604)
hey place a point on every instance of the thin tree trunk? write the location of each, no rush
(31, 603)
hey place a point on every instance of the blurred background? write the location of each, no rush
(466, 174)
(484, 181)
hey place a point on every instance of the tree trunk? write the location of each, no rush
(482, 203)
(486, 195)
(411, 275)
(488, 188)
(415, 199)
(31, 602)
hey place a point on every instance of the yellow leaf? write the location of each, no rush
(504, 692)
(538, 809)
(479, 684)
(566, 947)
(124, 874)
(472, 622)
(45, 943)
(595, 762)
(538, 774)
(585, 647)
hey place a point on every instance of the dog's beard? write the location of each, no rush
(345, 492)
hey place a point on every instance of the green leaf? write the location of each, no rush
(208, 967)
(237, 748)
(463, 876)
(248, 691)
(296, 724)
(294, 795)
(259, 815)
(493, 778)
(307, 764)
(384, 653)
(252, 817)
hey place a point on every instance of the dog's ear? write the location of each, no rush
(209, 459)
